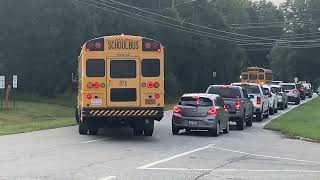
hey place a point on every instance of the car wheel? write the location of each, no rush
(259, 117)
(93, 131)
(137, 132)
(297, 102)
(286, 105)
(240, 123)
(249, 121)
(82, 130)
(271, 111)
(276, 110)
(175, 130)
(216, 131)
(310, 96)
(266, 116)
(227, 129)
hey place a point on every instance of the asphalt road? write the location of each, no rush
(253, 153)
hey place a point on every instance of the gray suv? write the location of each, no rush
(239, 105)
(200, 112)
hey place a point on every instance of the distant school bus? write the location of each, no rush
(256, 75)
(121, 82)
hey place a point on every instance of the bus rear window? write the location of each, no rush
(95, 68)
(252, 76)
(261, 76)
(150, 67)
(123, 69)
(190, 101)
(244, 76)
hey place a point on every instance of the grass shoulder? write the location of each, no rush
(303, 121)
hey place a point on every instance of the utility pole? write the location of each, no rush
(173, 3)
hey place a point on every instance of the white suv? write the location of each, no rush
(273, 99)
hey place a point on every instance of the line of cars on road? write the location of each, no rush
(237, 102)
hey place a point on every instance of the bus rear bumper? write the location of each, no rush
(123, 114)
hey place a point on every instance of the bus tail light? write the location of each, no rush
(150, 85)
(95, 45)
(176, 109)
(96, 85)
(150, 45)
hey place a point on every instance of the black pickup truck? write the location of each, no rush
(238, 103)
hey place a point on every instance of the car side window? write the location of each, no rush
(245, 94)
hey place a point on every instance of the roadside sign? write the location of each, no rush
(296, 79)
(2, 82)
(15, 81)
(214, 74)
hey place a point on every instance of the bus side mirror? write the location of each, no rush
(74, 78)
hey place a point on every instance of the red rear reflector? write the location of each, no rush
(89, 96)
(176, 109)
(157, 96)
(212, 111)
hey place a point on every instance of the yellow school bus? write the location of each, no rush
(256, 75)
(120, 83)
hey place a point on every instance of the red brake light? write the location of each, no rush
(150, 85)
(238, 105)
(225, 107)
(89, 96)
(176, 109)
(212, 111)
(95, 45)
(96, 85)
(258, 100)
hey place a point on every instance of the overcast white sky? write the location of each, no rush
(277, 2)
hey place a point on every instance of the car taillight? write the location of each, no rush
(238, 105)
(150, 45)
(95, 45)
(212, 111)
(225, 107)
(258, 100)
(176, 109)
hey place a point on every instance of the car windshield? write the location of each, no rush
(275, 90)
(195, 101)
(251, 89)
(288, 87)
(225, 91)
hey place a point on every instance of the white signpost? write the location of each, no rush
(2, 82)
(296, 79)
(15, 81)
(214, 74)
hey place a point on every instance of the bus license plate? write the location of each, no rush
(96, 102)
(193, 123)
(150, 101)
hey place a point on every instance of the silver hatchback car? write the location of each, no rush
(200, 112)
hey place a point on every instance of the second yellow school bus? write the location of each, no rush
(256, 75)
(121, 83)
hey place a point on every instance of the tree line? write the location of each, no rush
(41, 40)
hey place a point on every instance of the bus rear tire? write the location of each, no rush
(82, 130)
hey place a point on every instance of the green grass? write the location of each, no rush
(34, 116)
(303, 121)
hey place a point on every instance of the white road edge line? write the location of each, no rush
(108, 178)
(174, 157)
(266, 156)
(236, 170)
(96, 140)
(274, 117)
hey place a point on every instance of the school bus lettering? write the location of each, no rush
(123, 45)
(122, 84)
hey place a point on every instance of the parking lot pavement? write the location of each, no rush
(253, 153)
